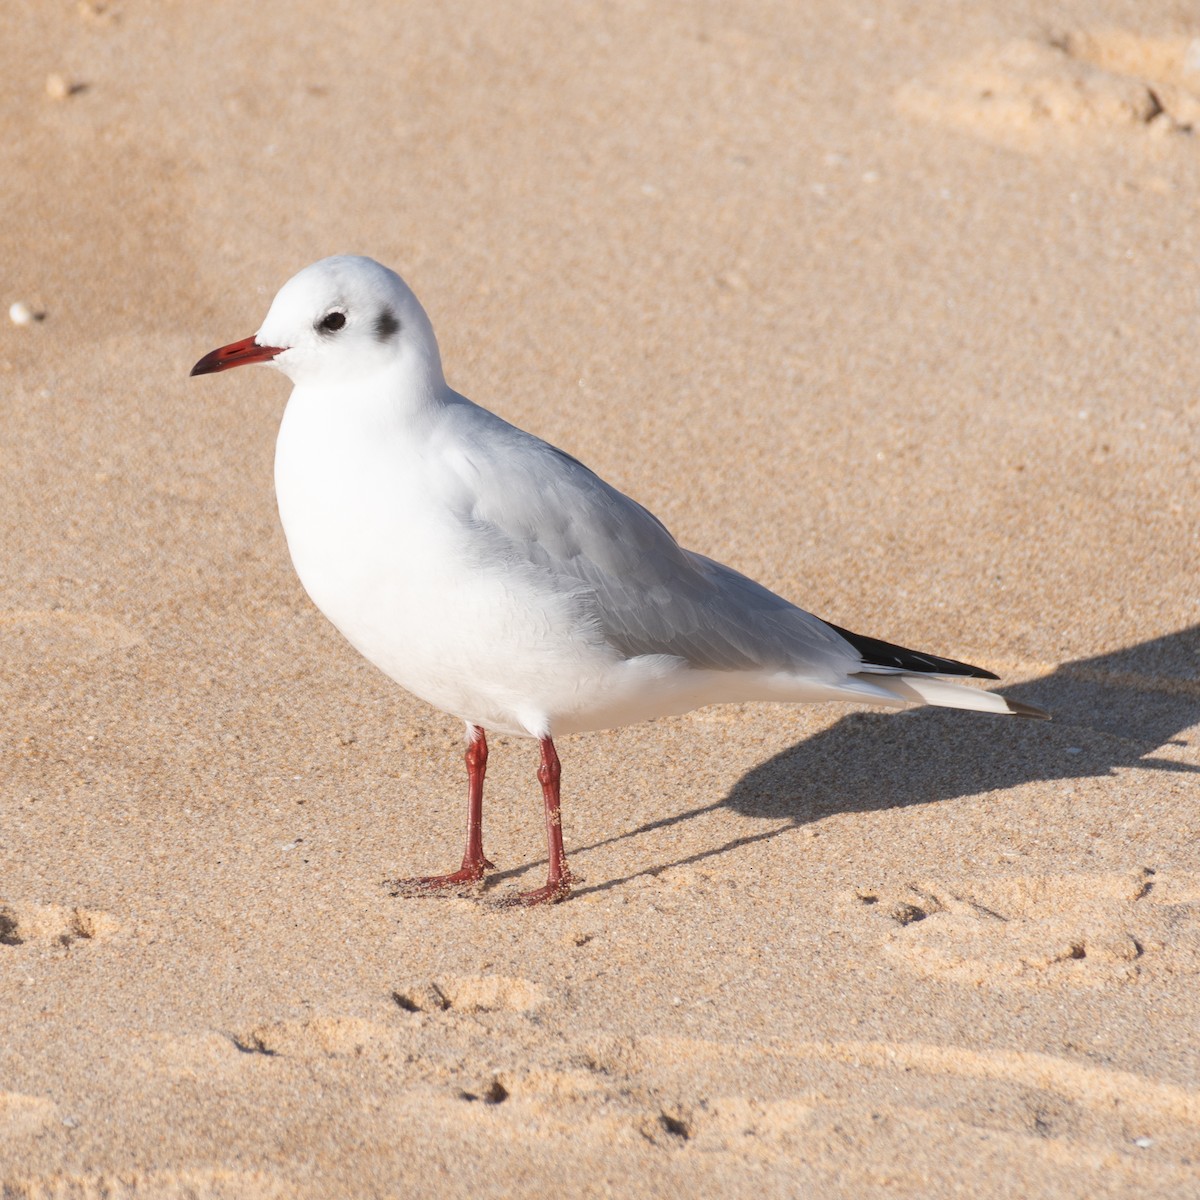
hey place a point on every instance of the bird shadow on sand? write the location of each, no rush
(1114, 711)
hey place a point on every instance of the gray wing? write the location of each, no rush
(540, 507)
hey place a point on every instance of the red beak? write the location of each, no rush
(236, 354)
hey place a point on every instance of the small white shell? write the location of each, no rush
(21, 314)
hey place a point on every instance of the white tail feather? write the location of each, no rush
(924, 689)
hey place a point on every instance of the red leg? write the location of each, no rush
(474, 862)
(476, 756)
(558, 880)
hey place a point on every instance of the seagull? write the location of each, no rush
(500, 580)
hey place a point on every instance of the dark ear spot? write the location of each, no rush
(387, 325)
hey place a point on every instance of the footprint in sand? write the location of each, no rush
(338, 1036)
(1033, 92)
(470, 994)
(316, 1037)
(767, 1129)
(53, 924)
(1045, 931)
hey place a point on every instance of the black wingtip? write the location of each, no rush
(877, 653)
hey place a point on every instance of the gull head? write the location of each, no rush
(342, 318)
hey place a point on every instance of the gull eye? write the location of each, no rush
(331, 322)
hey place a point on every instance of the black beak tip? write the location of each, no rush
(214, 360)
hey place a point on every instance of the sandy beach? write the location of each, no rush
(892, 307)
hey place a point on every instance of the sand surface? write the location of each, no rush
(894, 307)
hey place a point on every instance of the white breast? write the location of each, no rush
(390, 560)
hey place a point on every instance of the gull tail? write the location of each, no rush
(912, 676)
(926, 689)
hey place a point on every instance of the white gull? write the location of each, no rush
(498, 578)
